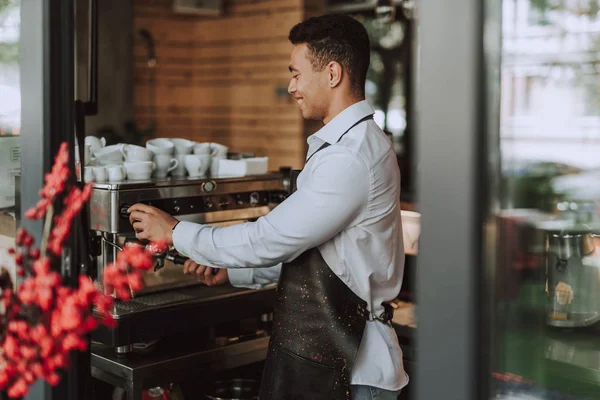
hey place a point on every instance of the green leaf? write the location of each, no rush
(9, 53)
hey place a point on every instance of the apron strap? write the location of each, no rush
(325, 145)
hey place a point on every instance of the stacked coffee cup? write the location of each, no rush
(164, 159)
(105, 163)
(182, 148)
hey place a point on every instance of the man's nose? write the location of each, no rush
(291, 87)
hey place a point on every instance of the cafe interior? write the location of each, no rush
(492, 108)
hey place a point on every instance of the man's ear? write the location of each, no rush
(335, 72)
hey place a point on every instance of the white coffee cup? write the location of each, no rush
(160, 146)
(87, 154)
(116, 173)
(109, 155)
(180, 171)
(139, 170)
(202, 148)
(218, 150)
(88, 174)
(214, 166)
(183, 146)
(136, 153)
(197, 164)
(95, 143)
(411, 230)
(100, 174)
(164, 164)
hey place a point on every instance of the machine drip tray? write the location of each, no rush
(171, 298)
(160, 314)
(152, 300)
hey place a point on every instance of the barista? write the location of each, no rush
(339, 234)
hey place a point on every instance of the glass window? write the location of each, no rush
(10, 94)
(546, 247)
(10, 123)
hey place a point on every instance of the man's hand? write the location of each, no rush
(205, 274)
(152, 224)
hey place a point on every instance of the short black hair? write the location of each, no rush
(340, 38)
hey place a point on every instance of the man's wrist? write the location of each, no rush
(170, 234)
(174, 226)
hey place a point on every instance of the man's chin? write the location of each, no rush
(310, 116)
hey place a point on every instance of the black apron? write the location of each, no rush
(318, 325)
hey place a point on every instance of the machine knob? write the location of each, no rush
(176, 208)
(254, 198)
(238, 200)
(224, 203)
(280, 197)
(123, 210)
(208, 204)
(208, 186)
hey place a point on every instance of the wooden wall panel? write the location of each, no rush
(224, 79)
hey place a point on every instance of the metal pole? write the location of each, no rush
(452, 197)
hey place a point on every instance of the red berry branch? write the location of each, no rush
(44, 320)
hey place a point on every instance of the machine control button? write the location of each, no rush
(254, 198)
(208, 186)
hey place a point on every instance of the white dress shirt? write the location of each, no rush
(347, 204)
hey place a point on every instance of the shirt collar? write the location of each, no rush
(332, 131)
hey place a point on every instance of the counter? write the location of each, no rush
(198, 355)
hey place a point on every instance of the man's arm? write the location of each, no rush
(333, 196)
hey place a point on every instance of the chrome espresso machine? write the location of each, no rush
(179, 301)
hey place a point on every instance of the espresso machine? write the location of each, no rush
(572, 273)
(179, 301)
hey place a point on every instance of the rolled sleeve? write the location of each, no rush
(254, 278)
(242, 277)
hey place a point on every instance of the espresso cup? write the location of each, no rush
(164, 164)
(218, 150)
(116, 173)
(197, 164)
(95, 143)
(136, 153)
(100, 174)
(87, 154)
(183, 146)
(180, 171)
(214, 166)
(139, 170)
(88, 174)
(160, 146)
(202, 148)
(109, 155)
(411, 230)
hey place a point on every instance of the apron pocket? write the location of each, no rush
(298, 378)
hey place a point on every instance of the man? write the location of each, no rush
(339, 234)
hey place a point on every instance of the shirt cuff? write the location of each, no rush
(183, 233)
(241, 277)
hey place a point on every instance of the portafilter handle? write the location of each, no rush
(176, 258)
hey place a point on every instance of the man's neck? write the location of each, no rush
(339, 106)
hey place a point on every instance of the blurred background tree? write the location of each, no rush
(9, 49)
(577, 7)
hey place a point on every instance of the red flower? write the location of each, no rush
(44, 320)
